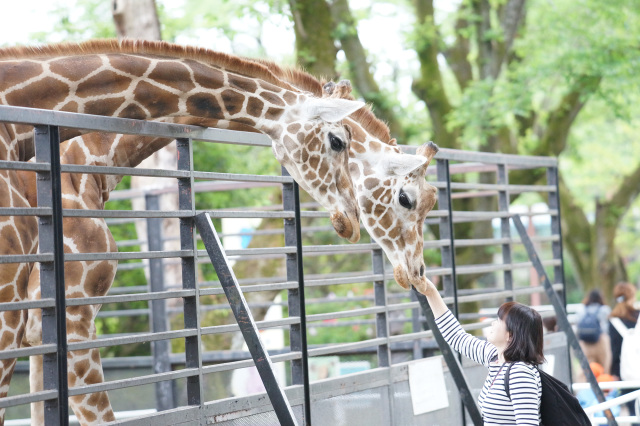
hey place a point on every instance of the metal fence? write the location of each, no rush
(362, 330)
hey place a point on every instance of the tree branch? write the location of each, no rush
(345, 29)
(430, 87)
(556, 134)
(511, 17)
(486, 58)
(576, 231)
(457, 55)
(626, 193)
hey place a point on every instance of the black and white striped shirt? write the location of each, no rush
(524, 379)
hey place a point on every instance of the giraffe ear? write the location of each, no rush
(330, 109)
(402, 164)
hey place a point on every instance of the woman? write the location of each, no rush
(625, 295)
(515, 337)
(597, 349)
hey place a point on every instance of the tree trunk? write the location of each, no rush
(315, 49)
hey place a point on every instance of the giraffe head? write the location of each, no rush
(314, 148)
(393, 195)
(398, 211)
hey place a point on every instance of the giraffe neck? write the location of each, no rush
(141, 87)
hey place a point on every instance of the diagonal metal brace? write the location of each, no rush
(452, 362)
(561, 315)
(244, 318)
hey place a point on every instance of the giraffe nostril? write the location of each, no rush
(422, 270)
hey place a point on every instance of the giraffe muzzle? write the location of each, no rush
(347, 226)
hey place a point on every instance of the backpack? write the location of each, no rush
(558, 406)
(589, 328)
(630, 351)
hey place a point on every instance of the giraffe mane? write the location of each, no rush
(308, 83)
(243, 66)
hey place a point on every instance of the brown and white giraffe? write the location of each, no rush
(149, 80)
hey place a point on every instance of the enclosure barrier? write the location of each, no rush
(361, 376)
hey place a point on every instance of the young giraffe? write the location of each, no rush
(149, 80)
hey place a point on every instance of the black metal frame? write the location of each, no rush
(52, 257)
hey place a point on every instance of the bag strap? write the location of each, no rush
(506, 380)
(619, 325)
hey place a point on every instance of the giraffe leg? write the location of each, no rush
(13, 285)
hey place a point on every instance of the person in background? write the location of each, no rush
(625, 296)
(598, 348)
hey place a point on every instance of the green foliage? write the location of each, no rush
(86, 19)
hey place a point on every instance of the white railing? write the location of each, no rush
(622, 420)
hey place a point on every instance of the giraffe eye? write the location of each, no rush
(336, 143)
(404, 200)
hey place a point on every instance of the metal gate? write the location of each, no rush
(365, 377)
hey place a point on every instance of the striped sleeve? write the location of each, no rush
(525, 390)
(470, 346)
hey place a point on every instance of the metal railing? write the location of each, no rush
(184, 380)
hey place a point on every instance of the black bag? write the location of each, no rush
(558, 406)
(589, 328)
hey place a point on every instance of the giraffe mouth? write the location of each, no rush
(402, 278)
(347, 226)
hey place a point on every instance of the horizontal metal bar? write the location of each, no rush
(347, 346)
(133, 381)
(12, 401)
(22, 352)
(136, 338)
(252, 288)
(241, 177)
(23, 115)
(488, 158)
(26, 258)
(31, 304)
(103, 300)
(479, 269)
(122, 171)
(247, 214)
(24, 165)
(229, 328)
(346, 314)
(234, 365)
(127, 213)
(25, 211)
(135, 255)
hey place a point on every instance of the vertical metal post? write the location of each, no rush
(160, 348)
(193, 344)
(54, 326)
(380, 298)
(448, 252)
(296, 297)
(416, 326)
(556, 246)
(505, 226)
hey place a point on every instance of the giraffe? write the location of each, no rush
(158, 80)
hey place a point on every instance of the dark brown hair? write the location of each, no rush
(524, 325)
(594, 296)
(625, 295)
